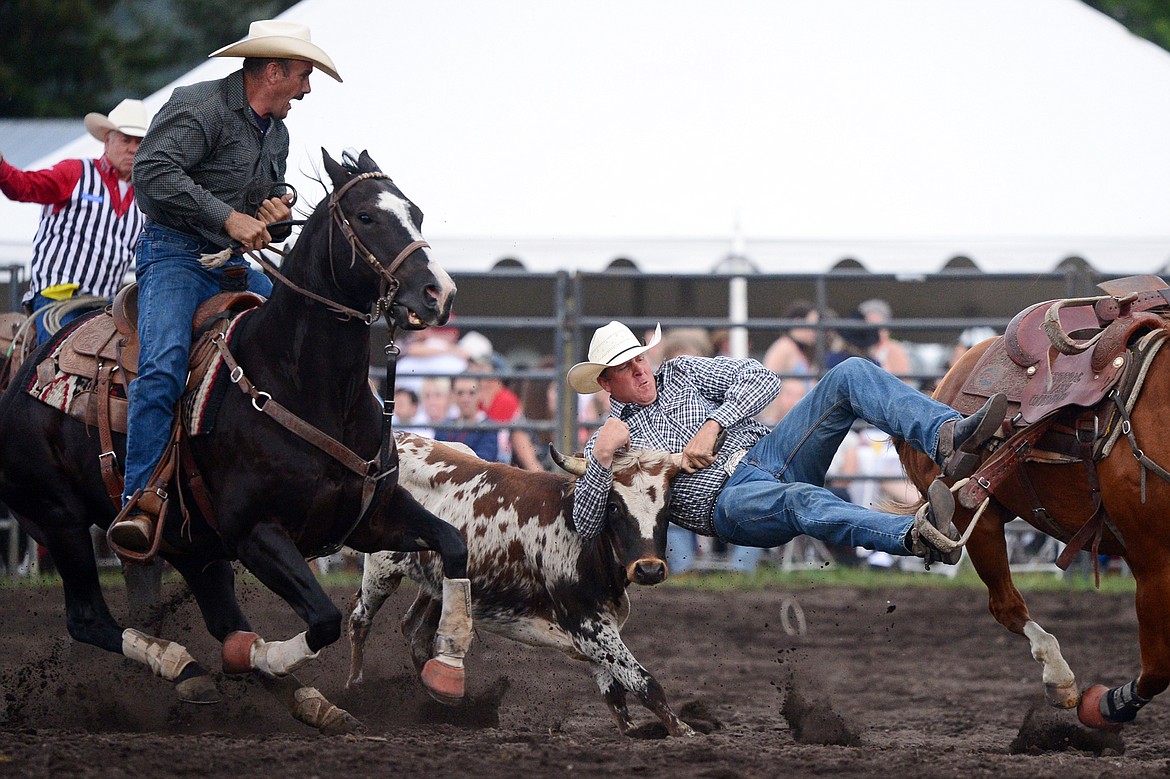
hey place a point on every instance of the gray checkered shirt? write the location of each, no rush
(204, 156)
(691, 390)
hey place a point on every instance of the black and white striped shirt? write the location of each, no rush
(85, 241)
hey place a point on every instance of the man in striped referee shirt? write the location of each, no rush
(763, 487)
(90, 223)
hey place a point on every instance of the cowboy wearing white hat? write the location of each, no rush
(752, 486)
(84, 245)
(612, 345)
(128, 117)
(277, 39)
(198, 198)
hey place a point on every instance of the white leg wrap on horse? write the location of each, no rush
(281, 658)
(313, 709)
(166, 659)
(453, 636)
(1058, 677)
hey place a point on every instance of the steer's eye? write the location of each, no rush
(612, 509)
(364, 218)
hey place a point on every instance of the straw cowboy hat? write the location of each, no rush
(273, 38)
(129, 118)
(611, 345)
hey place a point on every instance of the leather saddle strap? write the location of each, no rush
(193, 479)
(263, 402)
(108, 460)
(1002, 464)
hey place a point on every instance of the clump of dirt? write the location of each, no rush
(1045, 730)
(813, 720)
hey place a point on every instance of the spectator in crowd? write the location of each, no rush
(435, 398)
(485, 443)
(794, 350)
(84, 244)
(853, 341)
(405, 407)
(886, 352)
(498, 403)
(538, 403)
(592, 410)
(431, 352)
(867, 451)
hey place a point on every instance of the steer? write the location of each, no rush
(533, 579)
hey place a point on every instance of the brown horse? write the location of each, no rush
(1055, 494)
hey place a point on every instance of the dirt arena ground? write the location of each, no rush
(909, 682)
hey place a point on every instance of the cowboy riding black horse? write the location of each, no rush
(296, 464)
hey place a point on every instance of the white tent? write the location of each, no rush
(899, 133)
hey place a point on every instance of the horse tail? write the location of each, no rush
(888, 505)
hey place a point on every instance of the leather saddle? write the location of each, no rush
(103, 352)
(1064, 353)
(18, 339)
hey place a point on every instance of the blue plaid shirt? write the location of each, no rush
(691, 390)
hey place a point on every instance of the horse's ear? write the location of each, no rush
(337, 174)
(366, 163)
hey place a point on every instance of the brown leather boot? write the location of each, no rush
(135, 532)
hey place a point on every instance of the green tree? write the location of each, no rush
(1149, 19)
(68, 57)
(55, 55)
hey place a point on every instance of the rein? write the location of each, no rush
(370, 471)
(388, 283)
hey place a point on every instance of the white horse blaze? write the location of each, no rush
(397, 206)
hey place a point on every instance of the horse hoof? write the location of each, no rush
(1062, 696)
(237, 652)
(197, 689)
(443, 682)
(340, 722)
(1089, 709)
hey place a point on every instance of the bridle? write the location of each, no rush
(388, 284)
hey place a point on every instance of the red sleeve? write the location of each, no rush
(47, 187)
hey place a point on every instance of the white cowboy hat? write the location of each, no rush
(129, 118)
(611, 345)
(280, 40)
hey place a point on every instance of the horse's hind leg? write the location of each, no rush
(403, 525)
(988, 549)
(379, 581)
(89, 620)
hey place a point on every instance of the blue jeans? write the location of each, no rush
(39, 301)
(778, 491)
(171, 285)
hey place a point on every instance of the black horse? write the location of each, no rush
(277, 497)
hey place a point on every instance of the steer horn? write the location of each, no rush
(574, 465)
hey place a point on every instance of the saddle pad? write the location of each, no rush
(200, 404)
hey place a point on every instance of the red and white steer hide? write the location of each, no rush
(533, 578)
